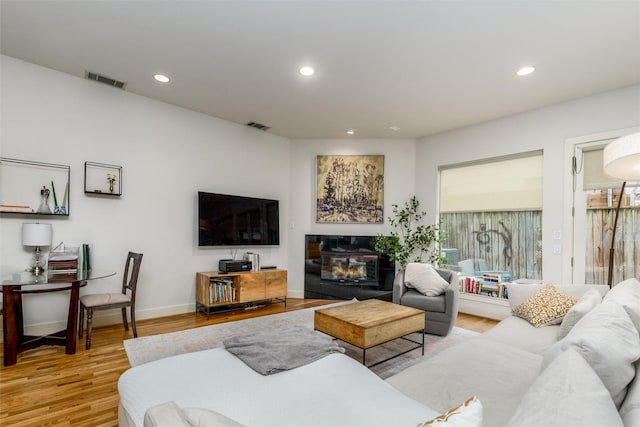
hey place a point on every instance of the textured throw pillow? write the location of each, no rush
(425, 279)
(567, 393)
(585, 304)
(606, 338)
(468, 414)
(545, 307)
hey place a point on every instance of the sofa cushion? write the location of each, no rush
(630, 409)
(606, 338)
(545, 307)
(568, 393)
(425, 279)
(627, 294)
(467, 414)
(585, 304)
(518, 332)
(498, 374)
(415, 299)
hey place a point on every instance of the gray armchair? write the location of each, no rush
(440, 312)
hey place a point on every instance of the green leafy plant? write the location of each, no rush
(411, 241)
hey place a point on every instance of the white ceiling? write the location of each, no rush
(424, 66)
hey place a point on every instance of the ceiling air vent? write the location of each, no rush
(106, 80)
(258, 126)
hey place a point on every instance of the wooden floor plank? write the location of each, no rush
(50, 388)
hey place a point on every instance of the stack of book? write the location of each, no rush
(221, 291)
(63, 264)
(16, 208)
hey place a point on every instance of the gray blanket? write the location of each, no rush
(280, 350)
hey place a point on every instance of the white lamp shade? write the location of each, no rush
(621, 158)
(36, 234)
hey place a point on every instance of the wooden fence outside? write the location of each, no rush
(507, 241)
(598, 241)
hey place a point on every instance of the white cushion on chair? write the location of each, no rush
(95, 300)
(425, 279)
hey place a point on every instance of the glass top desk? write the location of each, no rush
(14, 286)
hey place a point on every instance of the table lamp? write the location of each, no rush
(621, 159)
(36, 234)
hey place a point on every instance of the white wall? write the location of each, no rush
(545, 129)
(167, 153)
(399, 179)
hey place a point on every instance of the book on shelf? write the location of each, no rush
(62, 263)
(487, 285)
(221, 290)
(16, 208)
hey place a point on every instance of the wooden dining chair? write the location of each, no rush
(105, 301)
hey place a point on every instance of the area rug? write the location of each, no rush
(147, 349)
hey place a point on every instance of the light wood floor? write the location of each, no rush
(49, 388)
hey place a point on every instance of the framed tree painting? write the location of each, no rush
(350, 189)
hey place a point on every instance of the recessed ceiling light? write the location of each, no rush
(394, 128)
(307, 71)
(161, 78)
(351, 131)
(525, 71)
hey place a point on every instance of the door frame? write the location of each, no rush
(569, 250)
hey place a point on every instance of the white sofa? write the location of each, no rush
(522, 375)
(516, 371)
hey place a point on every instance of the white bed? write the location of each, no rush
(333, 391)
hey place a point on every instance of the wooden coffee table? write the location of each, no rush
(368, 323)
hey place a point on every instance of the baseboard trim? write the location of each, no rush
(114, 317)
(108, 318)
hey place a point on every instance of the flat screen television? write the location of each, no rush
(226, 220)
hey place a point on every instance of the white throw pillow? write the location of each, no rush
(425, 279)
(568, 393)
(606, 338)
(627, 294)
(468, 414)
(167, 413)
(588, 302)
(199, 417)
(630, 409)
(170, 414)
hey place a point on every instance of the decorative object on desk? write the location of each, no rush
(410, 238)
(621, 159)
(102, 179)
(350, 189)
(44, 201)
(38, 235)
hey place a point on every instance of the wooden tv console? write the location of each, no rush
(216, 291)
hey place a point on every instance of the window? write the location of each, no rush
(491, 213)
(600, 195)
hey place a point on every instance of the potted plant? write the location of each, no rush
(410, 241)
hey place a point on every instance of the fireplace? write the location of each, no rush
(346, 267)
